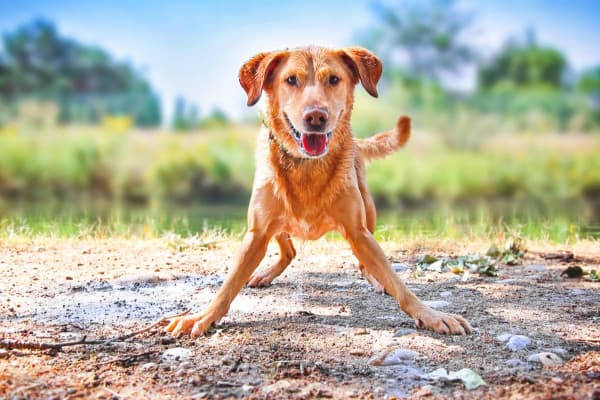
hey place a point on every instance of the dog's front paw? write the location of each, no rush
(448, 324)
(195, 325)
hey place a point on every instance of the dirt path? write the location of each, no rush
(313, 334)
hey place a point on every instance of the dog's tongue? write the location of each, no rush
(314, 143)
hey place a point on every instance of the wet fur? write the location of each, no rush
(299, 196)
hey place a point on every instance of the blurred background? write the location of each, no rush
(126, 117)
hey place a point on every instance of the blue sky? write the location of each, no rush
(195, 48)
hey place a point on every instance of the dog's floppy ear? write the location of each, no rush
(364, 66)
(255, 73)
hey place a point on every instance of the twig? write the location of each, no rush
(127, 359)
(21, 344)
(112, 392)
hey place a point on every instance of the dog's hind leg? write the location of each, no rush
(287, 252)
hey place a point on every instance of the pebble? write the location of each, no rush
(504, 337)
(578, 292)
(361, 331)
(398, 267)
(436, 303)
(404, 332)
(446, 293)
(518, 342)
(546, 358)
(147, 366)
(177, 354)
(393, 357)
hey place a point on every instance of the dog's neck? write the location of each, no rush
(300, 181)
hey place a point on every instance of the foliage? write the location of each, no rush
(511, 253)
(589, 82)
(427, 38)
(528, 65)
(219, 163)
(84, 81)
(463, 265)
(185, 117)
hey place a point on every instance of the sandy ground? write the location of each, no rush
(320, 331)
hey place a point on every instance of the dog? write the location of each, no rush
(310, 176)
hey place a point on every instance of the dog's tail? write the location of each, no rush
(385, 143)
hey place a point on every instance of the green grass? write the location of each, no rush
(557, 222)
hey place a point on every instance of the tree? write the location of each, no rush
(426, 38)
(589, 82)
(185, 117)
(84, 80)
(524, 65)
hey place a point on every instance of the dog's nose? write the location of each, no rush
(315, 119)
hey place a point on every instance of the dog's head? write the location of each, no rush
(310, 93)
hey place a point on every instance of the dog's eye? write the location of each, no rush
(291, 80)
(334, 80)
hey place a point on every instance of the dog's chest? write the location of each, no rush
(309, 228)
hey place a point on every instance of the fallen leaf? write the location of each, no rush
(470, 378)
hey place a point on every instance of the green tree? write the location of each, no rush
(85, 81)
(589, 82)
(185, 117)
(524, 65)
(426, 38)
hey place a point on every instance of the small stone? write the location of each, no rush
(504, 337)
(247, 389)
(394, 357)
(403, 332)
(177, 354)
(578, 292)
(3, 354)
(147, 366)
(518, 342)
(446, 293)
(549, 359)
(361, 331)
(399, 267)
(534, 358)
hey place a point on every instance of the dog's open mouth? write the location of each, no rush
(312, 144)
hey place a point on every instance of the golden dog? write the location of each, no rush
(310, 176)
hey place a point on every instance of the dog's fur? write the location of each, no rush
(310, 176)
